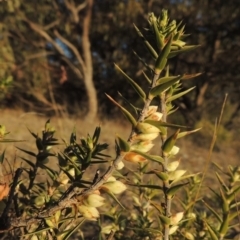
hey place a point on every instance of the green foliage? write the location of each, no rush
(161, 202)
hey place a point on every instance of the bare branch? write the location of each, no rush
(72, 47)
(73, 67)
(51, 25)
(44, 34)
(81, 6)
(75, 10)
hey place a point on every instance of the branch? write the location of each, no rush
(44, 34)
(75, 10)
(72, 47)
(86, 46)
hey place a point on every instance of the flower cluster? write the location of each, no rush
(90, 203)
(145, 134)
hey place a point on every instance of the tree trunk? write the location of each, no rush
(88, 72)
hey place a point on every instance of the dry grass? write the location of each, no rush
(193, 156)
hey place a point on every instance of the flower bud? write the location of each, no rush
(146, 136)
(174, 150)
(134, 157)
(176, 174)
(151, 110)
(39, 201)
(91, 213)
(114, 186)
(147, 128)
(172, 166)
(120, 165)
(94, 200)
(155, 116)
(143, 146)
(4, 190)
(176, 218)
(173, 229)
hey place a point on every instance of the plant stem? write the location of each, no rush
(168, 201)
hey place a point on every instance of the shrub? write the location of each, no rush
(58, 207)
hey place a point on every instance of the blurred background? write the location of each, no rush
(56, 57)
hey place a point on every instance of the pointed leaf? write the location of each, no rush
(143, 61)
(146, 77)
(135, 86)
(213, 211)
(176, 96)
(183, 50)
(124, 145)
(183, 134)
(28, 152)
(32, 133)
(136, 110)
(162, 58)
(168, 79)
(170, 142)
(189, 76)
(68, 233)
(2, 156)
(147, 44)
(146, 186)
(172, 190)
(211, 232)
(163, 124)
(114, 198)
(29, 162)
(127, 114)
(162, 87)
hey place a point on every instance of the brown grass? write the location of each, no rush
(193, 156)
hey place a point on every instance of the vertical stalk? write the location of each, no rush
(168, 202)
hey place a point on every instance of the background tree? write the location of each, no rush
(60, 32)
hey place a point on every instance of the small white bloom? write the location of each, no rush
(173, 229)
(174, 150)
(176, 174)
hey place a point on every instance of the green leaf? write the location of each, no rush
(154, 158)
(158, 36)
(135, 86)
(124, 145)
(162, 87)
(213, 211)
(221, 181)
(127, 114)
(172, 190)
(32, 133)
(146, 186)
(2, 156)
(29, 162)
(183, 134)
(147, 44)
(183, 50)
(168, 79)
(146, 77)
(176, 96)
(189, 76)
(165, 220)
(211, 232)
(136, 110)
(114, 197)
(162, 58)
(159, 124)
(28, 152)
(143, 61)
(66, 234)
(170, 142)
(96, 135)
